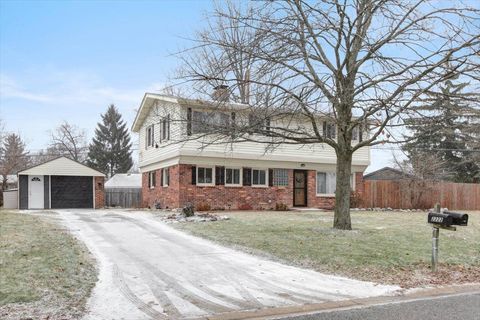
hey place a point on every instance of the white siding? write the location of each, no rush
(62, 167)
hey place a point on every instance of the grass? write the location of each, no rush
(43, 269)
(389, 247)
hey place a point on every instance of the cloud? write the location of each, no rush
(10, 88)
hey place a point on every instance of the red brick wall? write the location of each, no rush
(181, 192)
(99, 192)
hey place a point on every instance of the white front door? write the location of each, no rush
(35, 192)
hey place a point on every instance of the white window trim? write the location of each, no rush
(240, 177)
(331, 194)
(266, 178)
(152, 134)
(213, 177)
(164, 182)
(150, 179)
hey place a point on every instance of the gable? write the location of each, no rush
(61, 167)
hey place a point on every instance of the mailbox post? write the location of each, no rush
(443, 220)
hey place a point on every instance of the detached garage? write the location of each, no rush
(60, 184)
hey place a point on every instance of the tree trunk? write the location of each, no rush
(342, 193)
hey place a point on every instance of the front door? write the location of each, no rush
(35, 192)
(299, 188)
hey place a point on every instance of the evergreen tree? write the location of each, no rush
(110, 151)
(13, 157)
(448, 131)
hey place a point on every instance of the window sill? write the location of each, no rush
(325, 195)
(205, 185)
(233, 185)
(259, 186)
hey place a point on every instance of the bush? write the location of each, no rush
(355, 199)
(281, 207)
(188, 210)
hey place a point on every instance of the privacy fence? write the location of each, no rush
(123, 197)
(420, 194)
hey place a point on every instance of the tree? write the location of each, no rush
(13, 158)
(359, 65)
(110, 151)
(447, 130)
(69, 141)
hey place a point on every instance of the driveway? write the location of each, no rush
(147, 270)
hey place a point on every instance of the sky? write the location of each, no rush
(68, 60)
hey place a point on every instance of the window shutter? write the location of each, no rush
(168, 176)
(194, 175)
(189, 121)
(247, 176)
(161, 177)
(219, 175)
(360, 133)
(168, 127)
(324, 129)
(146, 138)
(270, 177)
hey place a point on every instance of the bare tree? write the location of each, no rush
(70, 141)
(363, 65)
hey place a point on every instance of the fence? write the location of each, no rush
(420, 194)
(123, 197)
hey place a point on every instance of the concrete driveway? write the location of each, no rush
(147, 270)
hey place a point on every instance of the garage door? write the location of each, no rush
(71, 192)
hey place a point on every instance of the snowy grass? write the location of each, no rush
(43, 269)
(389, 247)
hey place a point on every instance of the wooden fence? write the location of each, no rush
(123, 197)
(420, 194)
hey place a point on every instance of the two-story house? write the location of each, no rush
(181, 165)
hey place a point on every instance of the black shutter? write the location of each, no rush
(189, 121)
(154, 182)
(219, 175)
(194, 175)
(324, 129)
(247, 176)
(360, 133)
(161, 177)
(270, 177)
(168, 127)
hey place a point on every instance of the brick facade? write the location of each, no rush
(99, 192)
(181, 192)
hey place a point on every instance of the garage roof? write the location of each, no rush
(62, 166)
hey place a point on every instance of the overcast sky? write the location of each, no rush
(70, 60)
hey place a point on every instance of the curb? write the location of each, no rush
(280, 312)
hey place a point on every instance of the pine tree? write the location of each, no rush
(110, 151)
(448, 130)
(13, 157)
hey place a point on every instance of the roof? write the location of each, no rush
(149, 99)
(125, 180)
(62, 166)
(386, 173)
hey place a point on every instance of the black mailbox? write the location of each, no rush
(448, 218)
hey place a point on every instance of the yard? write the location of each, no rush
(44, 272)
(387, 247)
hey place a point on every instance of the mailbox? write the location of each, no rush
(448, 218)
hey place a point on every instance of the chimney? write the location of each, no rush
(221, 93)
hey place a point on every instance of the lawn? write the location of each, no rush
(388, 247)
(44, 271)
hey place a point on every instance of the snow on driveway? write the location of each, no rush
(147, 270)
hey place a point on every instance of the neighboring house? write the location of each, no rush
(179, 167)
(387, 173)
(124, 190)
(12, 181)
(60, 183)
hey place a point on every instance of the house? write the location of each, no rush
(124, 180)
(60, 183)
(11, 182)
(386, 173)
(180, 167)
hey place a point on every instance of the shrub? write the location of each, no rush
(188, 210)
(281, 207)
(203, 207)
(355, 199)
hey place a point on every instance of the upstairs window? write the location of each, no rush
(329, 130)
(233, 176)
(165, 128)
(206, 122)
(280, 177)
(259, 177)
(205, 176)
(149, 136)
(259, 124)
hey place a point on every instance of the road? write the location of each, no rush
(148, 270)
(457, 307)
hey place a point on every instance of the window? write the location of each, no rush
(258, 124)
(280, 177)
(329, 130)
(165, 177)
(205, 122)
(259, 177)
(151, 179)
(355, 133)
(165, 132)
(149, 136)
(205, 176)
(327, 183)
(233, 176)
